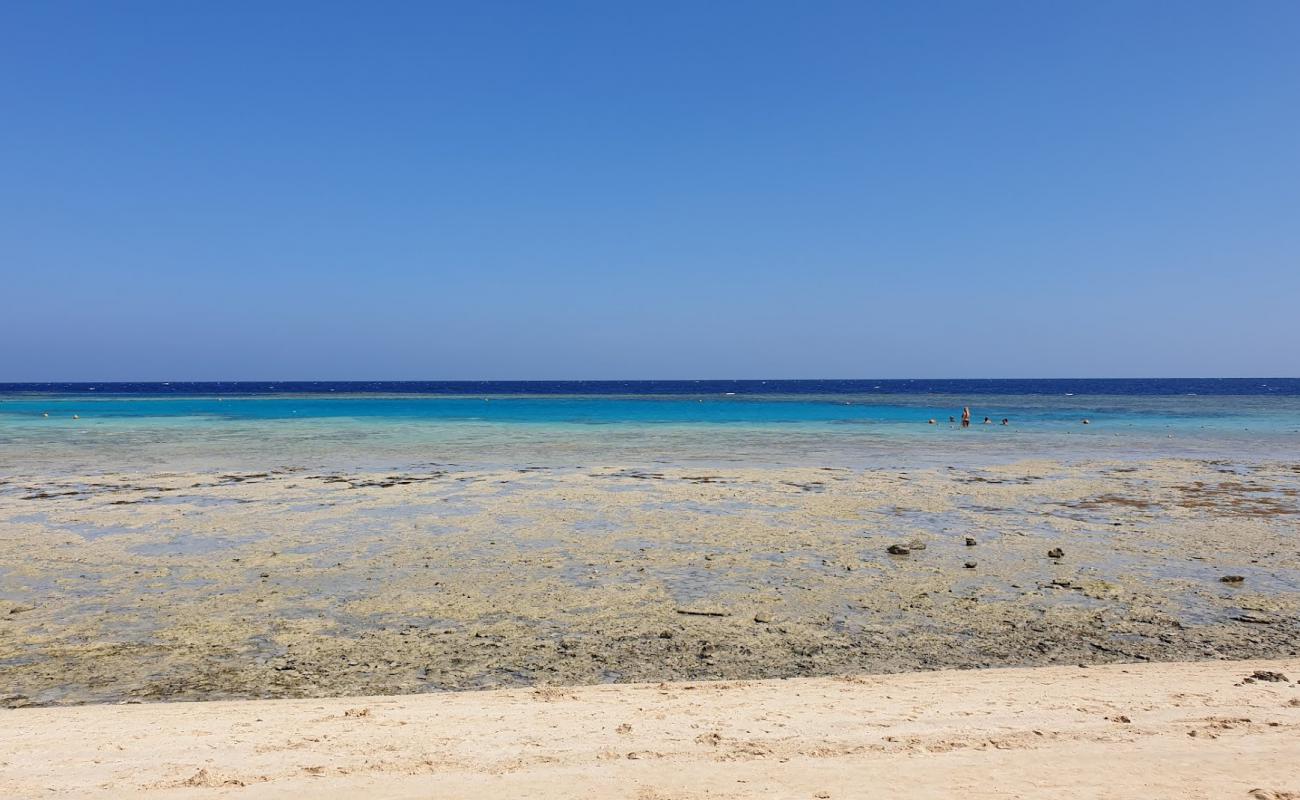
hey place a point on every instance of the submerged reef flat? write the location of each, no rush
(292, 582)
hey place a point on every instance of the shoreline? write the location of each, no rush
(1172, 730)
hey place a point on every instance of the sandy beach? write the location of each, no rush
(1175, 730)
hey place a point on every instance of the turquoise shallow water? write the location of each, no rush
(108, 432)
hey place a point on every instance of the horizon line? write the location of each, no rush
(121, 381)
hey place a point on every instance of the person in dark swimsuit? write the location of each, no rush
(965, 417)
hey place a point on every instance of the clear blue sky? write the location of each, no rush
(276, 190)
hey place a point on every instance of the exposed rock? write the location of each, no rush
(1269, 675)
(1056, 552)
(970, 541)
(1232, 579)
(1255, 619)
(897, 550)
(969, 565)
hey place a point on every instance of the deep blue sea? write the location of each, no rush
(1139, 387)
(88, 426)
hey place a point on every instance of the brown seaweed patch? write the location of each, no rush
(630, 473)
(1024, 480)
(810, 486)
(238, 478)
(1103, 501)
(1235, 498)
(383, 482)
(45, 495)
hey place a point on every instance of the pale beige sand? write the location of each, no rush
(1176, 730)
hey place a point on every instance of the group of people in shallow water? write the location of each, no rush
(965, 419)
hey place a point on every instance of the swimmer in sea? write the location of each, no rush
(988, 421)
(965, 417)
(1006, 421)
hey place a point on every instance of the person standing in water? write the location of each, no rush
(965, 417)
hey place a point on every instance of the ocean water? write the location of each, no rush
(110, 427)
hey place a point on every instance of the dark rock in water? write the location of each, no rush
(763, 616)
(970, 541)
(1232, 579)
(1056, 552)
(21, 609)
(265, 575)
(897, 550)
(1269, 675)
(1061, 582)
(970, 565)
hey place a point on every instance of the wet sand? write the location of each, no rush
(300, 583)
(1205, 730)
